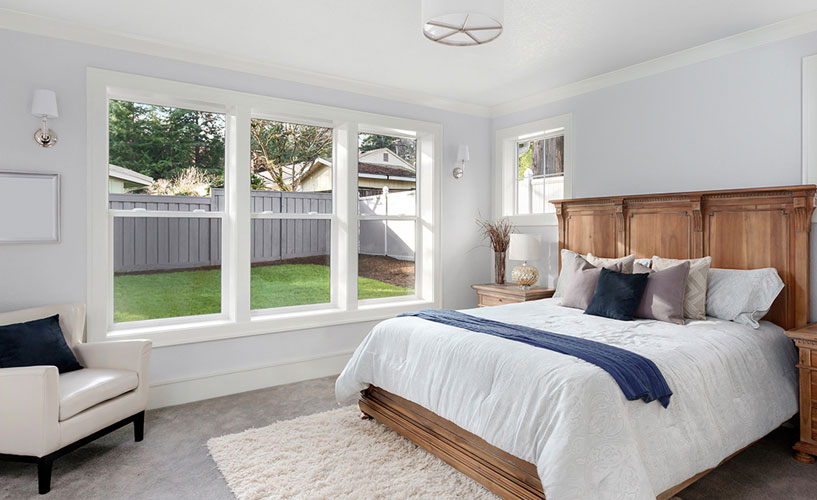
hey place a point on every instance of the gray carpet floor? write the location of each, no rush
(172, 462)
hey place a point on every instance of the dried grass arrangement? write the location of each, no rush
(498, 232)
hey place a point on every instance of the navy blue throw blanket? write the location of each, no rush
(637, 376)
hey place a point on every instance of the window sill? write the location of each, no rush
(221, 329)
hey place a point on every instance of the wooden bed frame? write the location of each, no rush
(740, 229)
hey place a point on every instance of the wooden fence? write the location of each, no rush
(167, 243)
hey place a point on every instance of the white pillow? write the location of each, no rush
(626, 262)
(568, 256)
(742, 296)
(644, 262)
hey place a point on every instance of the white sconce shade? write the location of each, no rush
(44, 104)
(462, 22)
(463, 154)
(523, 247)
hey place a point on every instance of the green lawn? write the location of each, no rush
(189, 293)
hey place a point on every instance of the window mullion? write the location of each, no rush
(344, 232)
(236, 258)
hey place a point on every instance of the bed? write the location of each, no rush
(523, 421)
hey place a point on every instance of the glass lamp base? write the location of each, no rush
(525, 275)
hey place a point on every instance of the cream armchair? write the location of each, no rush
(44, 415)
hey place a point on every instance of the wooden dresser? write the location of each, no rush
(806, 341)
(496, 295)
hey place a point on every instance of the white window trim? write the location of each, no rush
(236, 318)
(504, 185)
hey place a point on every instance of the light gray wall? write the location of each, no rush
(729, 122)
(38, 274)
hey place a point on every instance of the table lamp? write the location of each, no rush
(524, 247)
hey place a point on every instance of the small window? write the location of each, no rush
(535, 169)
(539, 174)
(386, 157)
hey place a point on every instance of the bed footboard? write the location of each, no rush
(505, 475)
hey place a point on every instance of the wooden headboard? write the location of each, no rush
(740, 229)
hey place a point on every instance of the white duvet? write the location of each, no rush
(731, 385)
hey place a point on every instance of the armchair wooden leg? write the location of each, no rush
(44, 475)
(139, 426)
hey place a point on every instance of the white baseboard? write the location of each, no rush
(213, 385)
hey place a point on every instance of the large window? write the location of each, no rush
(216, 213)
(534, 169)
(387, 207)
(164, 164)
(291, 198)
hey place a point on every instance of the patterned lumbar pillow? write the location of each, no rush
(695, 295)
(626, 262)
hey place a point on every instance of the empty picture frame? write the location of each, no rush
(29, 207)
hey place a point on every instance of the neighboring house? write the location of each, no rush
(317, 178)
(125, 180)
(381, 168)
(377, 169)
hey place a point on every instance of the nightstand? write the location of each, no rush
(497, 295)
(806, 341)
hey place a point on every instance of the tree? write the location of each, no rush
(531, 156)
(402, 147)
(127, 129)
(287, 150)
(164, 142)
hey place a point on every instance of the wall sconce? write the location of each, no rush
(44, 105)
(463, 155)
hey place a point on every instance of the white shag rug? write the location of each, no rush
(335, 455)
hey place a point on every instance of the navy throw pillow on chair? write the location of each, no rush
(617, 295)
(36, 343)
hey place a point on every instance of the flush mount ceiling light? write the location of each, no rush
(462, 22)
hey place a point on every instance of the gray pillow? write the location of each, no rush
(581, 282)
(742, 296)
(695, 297)
(663, 298)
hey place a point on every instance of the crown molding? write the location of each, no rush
(788, 28)
(65, 30)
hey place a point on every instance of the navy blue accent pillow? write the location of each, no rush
(617, 295)
(36, 343)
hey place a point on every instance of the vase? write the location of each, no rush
(499, 267)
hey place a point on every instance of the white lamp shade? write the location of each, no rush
(462, 22)
(524, 247)
(44, 103)
(463, 154)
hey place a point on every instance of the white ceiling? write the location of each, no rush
(546, 43)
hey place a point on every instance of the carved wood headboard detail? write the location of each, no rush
(739, 228)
